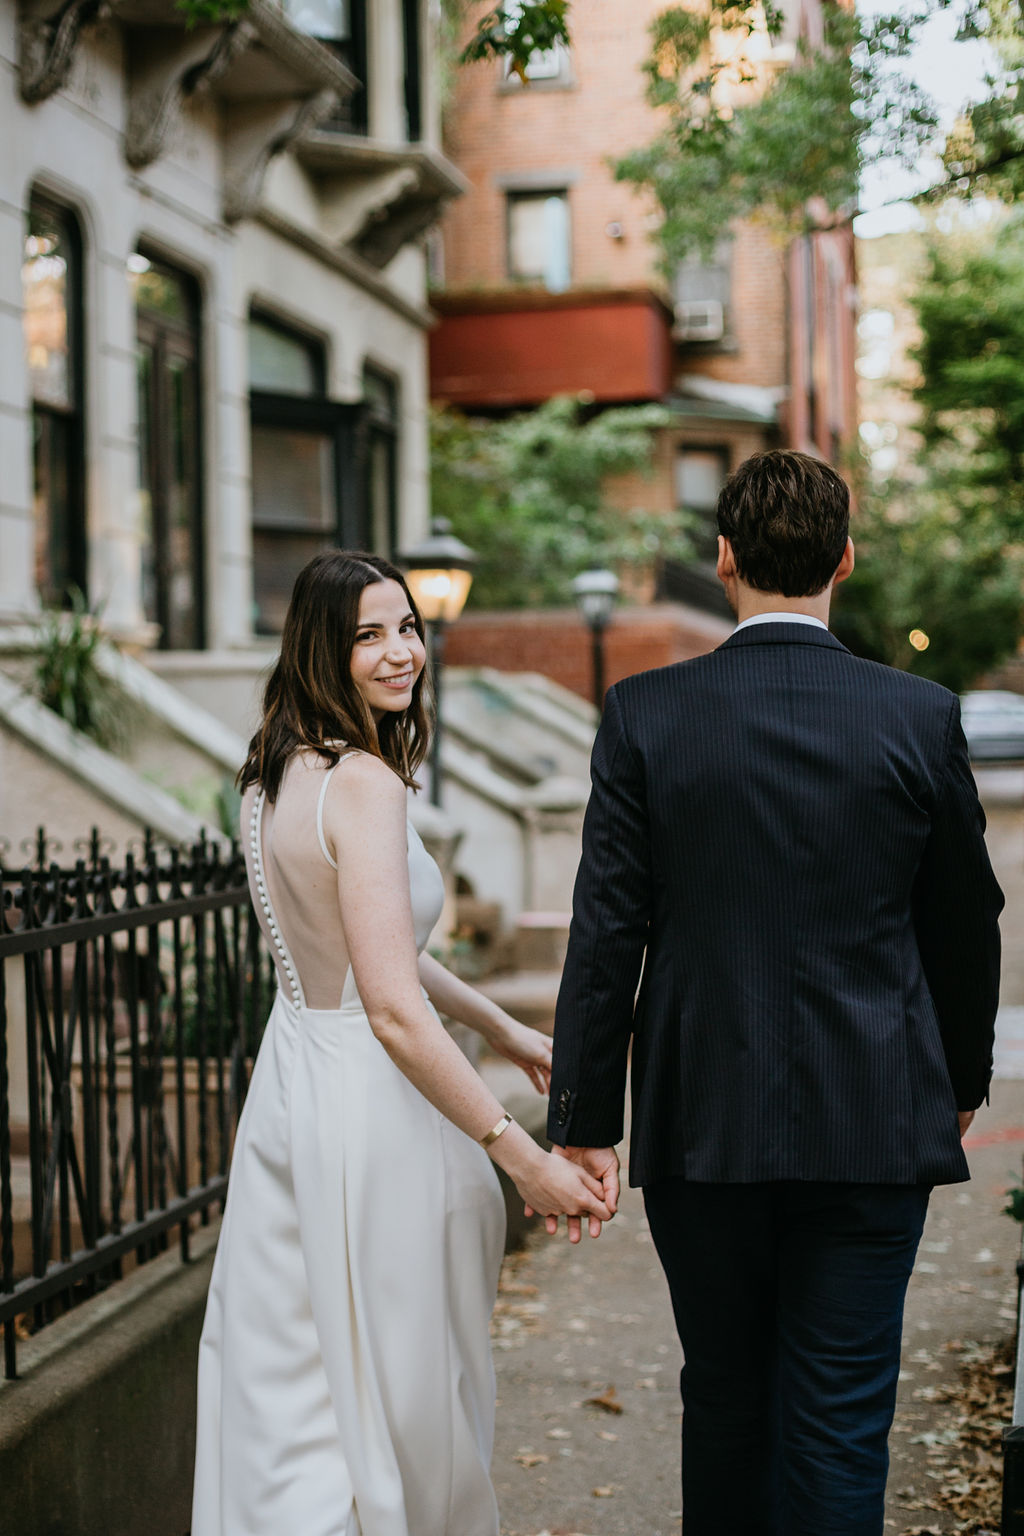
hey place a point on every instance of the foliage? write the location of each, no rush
(970, 309)
(514, 31)
(69, 679)
(1014, 1207)
(742, 137)
(946, 554)
(529, 495)
(937, 566)
(984, 155)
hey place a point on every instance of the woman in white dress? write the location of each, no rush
(345, 1377)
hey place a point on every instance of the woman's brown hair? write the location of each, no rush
(310, 700)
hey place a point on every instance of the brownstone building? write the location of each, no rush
(547, 281)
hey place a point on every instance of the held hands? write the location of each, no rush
(526, 1047)
(555, 1186)
(600, 1167)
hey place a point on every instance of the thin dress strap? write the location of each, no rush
(263, 895)
(320, 808)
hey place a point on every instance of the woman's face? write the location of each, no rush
(387, 654)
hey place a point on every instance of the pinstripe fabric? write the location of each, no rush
(794, 836)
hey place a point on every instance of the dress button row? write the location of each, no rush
(261, 890)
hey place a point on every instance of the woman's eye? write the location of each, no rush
(365, 634)
(409, 628)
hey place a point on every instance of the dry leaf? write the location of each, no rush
(602, 1493)
(531, 1458)
(608, 1400)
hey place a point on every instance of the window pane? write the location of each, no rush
(700, 475)
(381, 491)
(286, 364)
(292, 478)
(159, 291)
(538, 239)
(278, 559)
(326, 19)
(48, 281)
(183, 554)
(54, 512)
(381, 396)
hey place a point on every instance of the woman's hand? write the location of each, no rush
(552, 1187)
(527, 1047)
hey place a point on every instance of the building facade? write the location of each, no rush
(548, 281)
(212, 304)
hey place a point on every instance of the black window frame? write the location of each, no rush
(45, 415)
(168, 336)
(381, 428)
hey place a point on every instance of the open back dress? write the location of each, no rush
(345, 1378)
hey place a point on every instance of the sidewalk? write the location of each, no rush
(588, 1361)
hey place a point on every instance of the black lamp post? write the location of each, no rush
(439, 571)
(595, 593)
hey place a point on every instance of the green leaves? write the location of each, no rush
(515, 31)
(530, 495)
(69, 679)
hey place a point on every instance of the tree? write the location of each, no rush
(946, 556)
(529, 495)
(927, 570)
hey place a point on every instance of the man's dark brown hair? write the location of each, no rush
(787, 517)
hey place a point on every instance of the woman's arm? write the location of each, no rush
(518, 1043)
(365, 819)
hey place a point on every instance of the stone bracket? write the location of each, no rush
(166, 67)
(47, 39)
(255, 133)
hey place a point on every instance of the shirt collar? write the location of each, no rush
(779, 618)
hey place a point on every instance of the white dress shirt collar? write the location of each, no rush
(780, 618)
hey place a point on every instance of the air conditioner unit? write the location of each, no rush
(699, 320)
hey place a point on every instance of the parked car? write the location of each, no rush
(993, 724)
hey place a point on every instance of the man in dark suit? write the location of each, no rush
(787, 841)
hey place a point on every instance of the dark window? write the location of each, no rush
(538, 238)
(413, 70)
(305, 493)
(170, 458)
(341, 26)
(700, 473)
(52, 318)
(380, 396)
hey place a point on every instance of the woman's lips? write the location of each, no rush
(400, 681)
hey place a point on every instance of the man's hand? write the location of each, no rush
(965, 1116)
(603, 1164)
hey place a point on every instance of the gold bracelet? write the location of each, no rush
(499, 1130)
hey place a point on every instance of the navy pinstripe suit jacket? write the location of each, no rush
(787, 840)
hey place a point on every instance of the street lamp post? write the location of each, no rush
(439, 571)
(595, 593)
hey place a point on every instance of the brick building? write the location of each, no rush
(547, 280)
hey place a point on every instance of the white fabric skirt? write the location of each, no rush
(345, 1378)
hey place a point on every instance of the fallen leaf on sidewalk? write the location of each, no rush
(528, 1458)
(608, 1400)
(603, 1493)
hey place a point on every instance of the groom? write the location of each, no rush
(786, 842)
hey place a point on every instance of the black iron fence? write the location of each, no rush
(131, 1001)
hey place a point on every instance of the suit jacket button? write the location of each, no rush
(563, 1106)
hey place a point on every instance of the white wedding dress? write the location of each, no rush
(345, 1378)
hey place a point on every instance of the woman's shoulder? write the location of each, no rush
(364, 776)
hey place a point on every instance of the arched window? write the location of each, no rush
(52, 318)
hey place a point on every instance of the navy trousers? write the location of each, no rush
(788, 1298)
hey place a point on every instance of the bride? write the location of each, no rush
(345, 1378)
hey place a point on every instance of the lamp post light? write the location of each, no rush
(439, 571)
(595, 593)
